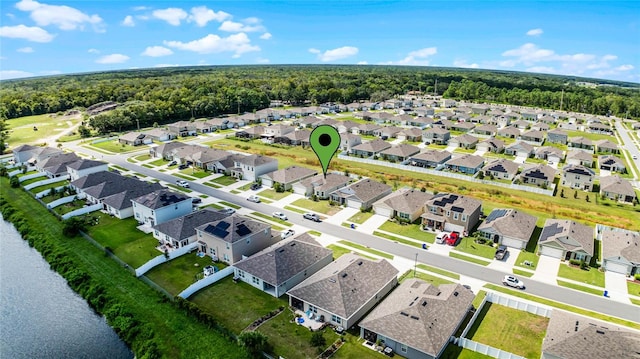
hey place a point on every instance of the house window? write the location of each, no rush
(577, 177)
(313, 309)
(403, 215)
(212, 251)
(227, 245)
(336, 319)
(455, 215)
(156, 233)
(226, 257)
(255, 280)
(403, 348)
(448, 213)
(240, 274)
(464, 218)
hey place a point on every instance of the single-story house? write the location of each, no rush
(549, 153)
(399, 153)
(577, 176)
(387, 132)
(420, 121)
(165, 150)
(462, 126)
(180, 231)
(621, 251)
(32, 154)
(535, 136)
(413, 134)
(159, 134)
(451, 212)
(520, 124)
(134, 139)
(286, 177)
(508, 227)
(430, 158)
(321, 186)
(82, 167)
(581, 143)
(541, 127)
(491, 145)
(606, 146)
(344, 290)
(466, 163)
(538, 174)
(509, 132)
(370, 148)
(558, 136)
(611, 163)
(501, 168)
(566, 239)
(404, 204)
(361, 194)
(182, 129)
(486, 130)
(464, 141)
(520, 149)
(617, 189)
(579, 157)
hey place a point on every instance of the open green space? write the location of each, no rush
(592, 136)
(120, 168)
(113, 146)
(195, 172)
(467, 245)
(338, 251)
(224, 180)
(443, 272)
(516, 331)
(581, 288)
(633, 288)
(408, 230)
(360, 217)
(431, 279)
(21, 129)
(589, 276)
(366, 249)
(394, 238)
(230, 204)
(468, 259)
(569, 308)
(522, 273)
(271, 194)
(320, 206)
(271, 218)
(179, 273)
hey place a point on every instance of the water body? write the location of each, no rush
(40, 316)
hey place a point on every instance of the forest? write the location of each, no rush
(164, 95)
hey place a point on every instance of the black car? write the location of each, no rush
(172, 163)
(255, 186)
(501, 252)
(183, 167)
(196, 200)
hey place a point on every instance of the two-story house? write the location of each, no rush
(253, 166)
(451, 212)
(578, 177)
(160, 206)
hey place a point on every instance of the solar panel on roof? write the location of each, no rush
(457, 209)
(223, 224)
(496, 213)
(242, 229)
(209, 229)
(219, 232)
(550, 231)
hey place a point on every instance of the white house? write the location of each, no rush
(84, 167)
(161, 206)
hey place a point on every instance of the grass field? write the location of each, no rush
(360, 217)
(633, 288)
(467, 245)
(439, 271)
(393, 238)
(431, 279)
(468, 259)
(177, 274)
(21, 128)
(580, 287)
(114, 146)
(591, 276)
(320, 206)
(522, 273)
(225, 180)
(271, 194)
(408, 230)
(271, 218)
(366, 249)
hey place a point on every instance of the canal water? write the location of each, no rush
(40, 316)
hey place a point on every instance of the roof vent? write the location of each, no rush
(424, 303)
(344, 275)
(332, 280)
(599, 331)
(405, 314)
(455, 294)
(293, 244)
(280, 250)
(360, 263)
(414, 317)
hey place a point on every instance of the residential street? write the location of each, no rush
(631, 146)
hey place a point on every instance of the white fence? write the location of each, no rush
(59, 201)
(206, 282)
(46, 192)
(44, 182)
(162, 258)
(83, 210)
(547, 192)
(31, 176)
(536, 309)
(486, 349)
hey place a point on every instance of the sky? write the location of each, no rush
(599, 39)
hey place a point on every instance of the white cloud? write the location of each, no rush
(112, 59)
(265, 36)
(535, 32)
(14, 74)
(260, 60)
(62, 16)
(416, 58)
(128, 21)
(93, 51)
(10, 15)
(236, 43)
(463, 63)
(31, 33)
(335, 54)
(362, 63)
(140, 8)
(249, 25)
(26, 50)
(201, 15)
(171, 15)
(624, 68)
(3, 57)
(156, 51)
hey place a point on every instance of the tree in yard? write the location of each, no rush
(575, 194)
(587, 198)
(317, 340)
(255, 343)
(562, 193)
(84, 132)
(14, 182)
(72, 226)
(4, 133)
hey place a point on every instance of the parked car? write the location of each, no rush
(441, 237)
(182, 183)
(196, 200)
(634, 157)
(183, 166)
(172, 163)
(512, 281)
(287, 233)
(452, 239)
(255, 186)
(312, 216)
(227, 211)
(501, 252)
(280, 215)
(254, 199)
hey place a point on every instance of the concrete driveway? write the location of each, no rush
(520, 159)
(372, 224)
(547, 270)
(616, 284)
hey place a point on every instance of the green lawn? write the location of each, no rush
(320, 206)
(588, 313)
(467, 245)
(633, 288)
(408, 230)
(69, 207)
(230, 204)
(33, 180)
(527, 256)
(224, 180)
(478, 299)
(509, 329)
(360, 217)
(195, 172)
(213, 205)
(48, 186)
(114, 146)
(142, 157)
(353, 349)
(366, 249)
(431, 279)
(439, 271)
(394, 238)
(522, 273)
(271, 218)
(21, 129)
(293, 209)
(159, 162)
(179, 188)
(591, 276)
(468, 259)
(338, 251)
(271, 194)
(235, 305)
(245, 187)
(177, 274)
(315, 233)
(580, 287)
(455, 352)
(592, 136)
(212, 185)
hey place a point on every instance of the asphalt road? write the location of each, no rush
(629, 145)
(556, 293)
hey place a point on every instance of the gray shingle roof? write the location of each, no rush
(579, 155)
(233, 228)
(84, 164)
(617, 185)
(401, 150)
(277, 264)
(161, 198)
(123, 199)
(111, 187)
(455, 202)
(420, 315)
(581, 141)
(184, 227)
(254, 160)
(577, 169)
(466, 160)
(539, 171)
(93, 179)
(320, 181)
(364, 190)
(558, 230)
(621, 243)
(346, 284)
(291, 174)
(502, 165)
(375, 146)
(432, 156)
(406, 201)
(511, 223)
(466, 139)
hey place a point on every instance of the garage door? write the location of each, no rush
(513, 243)
(383, 211)
(299, 190)
(551, 252)
(616, 267)
(450, 227)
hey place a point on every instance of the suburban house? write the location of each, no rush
(180, 231)
(94, 179)
(577, 157)
(32, 154)
(251, 167)
(606, 146)
(430, 158)
(405, 204)
(447, 103)
(611, 163)
(366, 129)
(491, 145)
(520, 149)
(233, 238)
(566, 239)
(418, 319)
(541, 127)
(578, 177)
(467, 163)
(360, 195)
(251, 132)
(120, 204)
(508, 227)
(437, 135)
(464, 141)
(344, 290)
(538, 174)
(182, 129)
(134, 139)
(82, 167)
(617, 189)
(160, 206)
(621, 251)
(601, 128)
(486, 130)
(480, 109)
(548, 120)
(399, 153)
(581, 143)
(413, 134)
(501, 168)
(56, 165)
(112, 185)
(286, 177)
(209, 159)
(520, 124)
(278, 268)
(203, 126)
(387, 132)
(535, 136)
(165, 150)
(159, 134)
(321, 186)
(509, 132)
(348, 141)
(549, 153)
(420, 121)
(451, 212)
(296, 138)
(573, 336)
(463, 126)
(370, 148)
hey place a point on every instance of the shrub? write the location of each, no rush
(637, 276)
(14, 182)
(318, 340)
(574, 262)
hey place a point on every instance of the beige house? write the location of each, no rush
(451, 212)
(578, 177)
(509, 227)
(406, 204)
(565, 239)
(617, 189)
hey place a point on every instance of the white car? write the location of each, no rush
(280, 215)
(182, 183)
(440, 238)
(227, 211)
(287, 233)
(512, 281)
(254, 199)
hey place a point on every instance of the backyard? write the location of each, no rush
(177, 274)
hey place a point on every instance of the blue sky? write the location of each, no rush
(598, 39)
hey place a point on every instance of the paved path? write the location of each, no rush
(371, 224)
(547, 270)
(342, 216)
(616, 284)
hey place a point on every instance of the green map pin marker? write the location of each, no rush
(325, 141)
